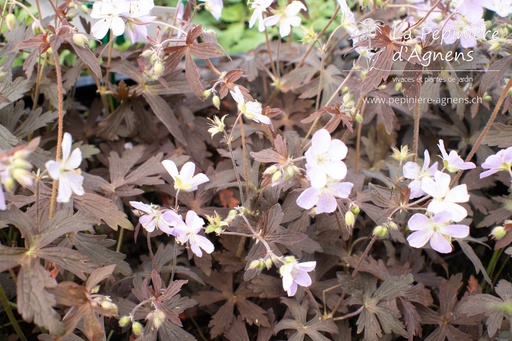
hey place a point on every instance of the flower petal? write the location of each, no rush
(171, 168)
(418, 239)
(326, 203)
(308, 198)
(439, 243)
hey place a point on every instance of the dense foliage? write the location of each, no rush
(354, 184)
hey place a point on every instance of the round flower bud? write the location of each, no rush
(84, 9)
(158, 318)
(380, 231)
(398, 86)
(358, 118)
(355, 209)
(392, 225)
(80, 39)
(207, 93)
(216, 101)
(255, 264)
(498, 232)
(271, 170)
(137, 328)
(9, 184)
(124, 321)
(268, 263)
(10, 21)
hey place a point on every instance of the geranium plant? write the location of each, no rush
(349, 178)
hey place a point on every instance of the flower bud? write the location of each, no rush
(277, 176)
(398, 86)
(350, 219)
(355, 209)
(255, 264)
(358, 118)
(80, 39)
(268, 263)
(495, 46)
(9, 184)
(10, 21)
(380, 231)
(216, 101)
(158, 318)
(84, 9)
(291, 170)
(158, 68)
(345, 89)
(124, 321)
(35, 28)
(207, 93)
(392, 225)
(498, 232)
(271, 170)
(137, 328)
(486, 97)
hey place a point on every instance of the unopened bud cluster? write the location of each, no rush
(280, 173)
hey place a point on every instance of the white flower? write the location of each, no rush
(286, 18)
(187, 232)
(295, 273)
(251, 110)
(185, 180)
(259, 7)
(413, 171)
(156, 218)
(324, 198)
(109, 12)
(501, 161)
(444, 198)
(438, 229)
(453, 162)
(66, 172)
(214, 7)
(324, 159)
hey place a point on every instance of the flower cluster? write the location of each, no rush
(14, 167)
(325, 170)
(436, 226)
(119, 16)
(168, 221)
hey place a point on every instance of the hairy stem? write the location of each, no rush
(363, 256)
(355, 313)
(60, 124)
(244, 155)
(358, 139)
(10, 315)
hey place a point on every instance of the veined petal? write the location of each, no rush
(341, 189)
(308, 198)
(455, 230)
(302, 279)
(321, 141)
(439, 243)
(147, 222)
(199, 179)
(418, 239)
(306, 266)
(187, 171)
(205, 244)
(193, 221)
(411, 170)
(287, 281)
(326, 203)
(418, 222)
(141, 206)
(294, 8)
(284, 28)
(337, 150)
(292, 290)
(336, 170)
(196, 249)
(271, 21)
(75, 183)
(317, 177)
(458, 194)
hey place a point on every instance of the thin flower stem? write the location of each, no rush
(150, 248)
(244, 156)
(416, 133)
(363, 256)
(176, 204)
(120, 239)
(355, 313)
(320, 81)
(235, 169)
(257, 236)
(174, 259)
(212, 67)
(60, 124)
(492, 264)
(358, 138)
(10, 315)
(310, 48)
(271, 60)
(338, 222)
(229, 233)
(324, 299)
(486, 129)
(359, 104)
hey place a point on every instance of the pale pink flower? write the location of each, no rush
(458, 27)
(444, 198)
(286, 18)
(259, 7)
(66, 172)
(472, 10)
(214, 7)
(139, 17)
(109, 12)
(453, 162)
(501, 161)
(251, 110)
(324, 159)
(413, 171)
(156, 218)
(295, 273)
(438, 230)
(324, 198)
(185, 180)
(187, 232)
